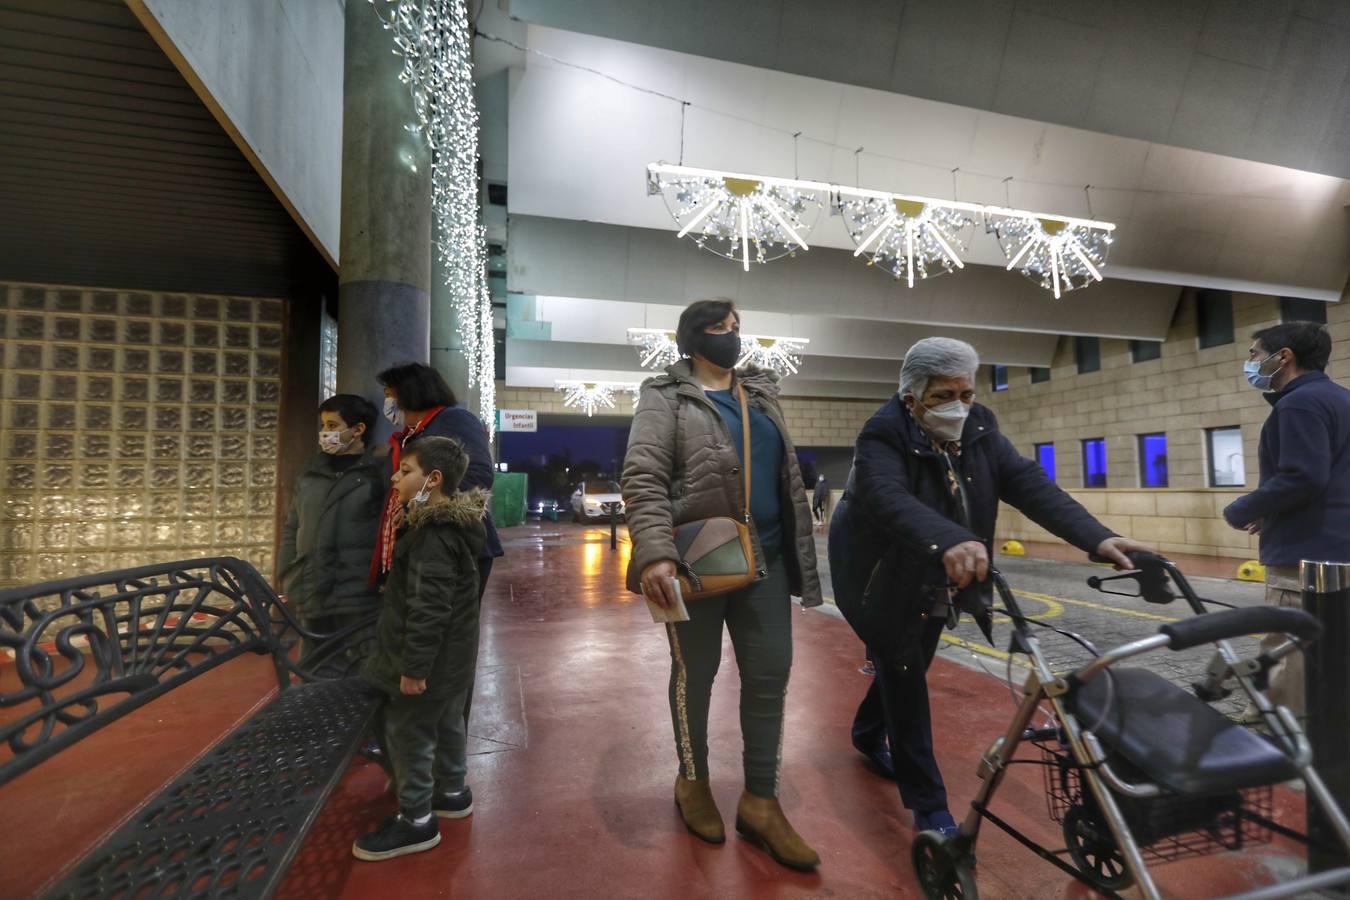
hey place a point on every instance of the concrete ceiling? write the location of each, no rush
(579, 144)
(113, 173)
(1264, 80)
(1198, 203)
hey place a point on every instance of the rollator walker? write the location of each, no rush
(1137, 769)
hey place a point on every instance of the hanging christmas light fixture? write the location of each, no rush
(590, 397)
(907, 236)
(434, 39)
(656, 347)
(781, 354)
(741, 217)
(1060, 254)
(761, 218)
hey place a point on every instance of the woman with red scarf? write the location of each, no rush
(419, 403)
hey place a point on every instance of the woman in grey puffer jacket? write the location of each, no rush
(683, 464)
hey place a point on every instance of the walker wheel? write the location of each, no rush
(942, 873)
(1094, 850)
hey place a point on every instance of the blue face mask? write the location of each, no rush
(1252, 369)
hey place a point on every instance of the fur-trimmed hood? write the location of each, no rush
(461, 509)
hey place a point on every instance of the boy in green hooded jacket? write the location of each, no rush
(427, 648)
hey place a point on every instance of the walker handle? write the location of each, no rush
(1232, 623)
(1150, 572)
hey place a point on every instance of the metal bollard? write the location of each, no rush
(1326, 674)
(613, 510)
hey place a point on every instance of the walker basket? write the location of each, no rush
(1171, 826)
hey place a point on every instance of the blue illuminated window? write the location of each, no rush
(1045, 455)
(1094, 463)
(1000, 378)
(1153, 460)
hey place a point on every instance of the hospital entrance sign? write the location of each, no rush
(517, 420)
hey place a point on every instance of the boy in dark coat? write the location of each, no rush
(333, 520)
(427, 648)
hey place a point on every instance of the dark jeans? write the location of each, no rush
(869, 723)
(759, 619)
(426, 744)
(896, 708)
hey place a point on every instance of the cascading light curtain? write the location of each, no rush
(435, 41)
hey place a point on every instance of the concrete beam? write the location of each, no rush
(611, 262)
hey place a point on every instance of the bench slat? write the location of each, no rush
(232, 823)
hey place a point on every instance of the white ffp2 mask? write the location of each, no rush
(945, 422)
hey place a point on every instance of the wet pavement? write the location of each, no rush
(572, 759)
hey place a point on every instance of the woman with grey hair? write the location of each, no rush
(910, 544)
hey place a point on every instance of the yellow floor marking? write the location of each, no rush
(964, 644)
(1052, 607)
(1046, 598)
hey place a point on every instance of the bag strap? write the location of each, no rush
(745, 445)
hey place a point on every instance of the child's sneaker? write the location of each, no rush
(458, 805)
(397, 836)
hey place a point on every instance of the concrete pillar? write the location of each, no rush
(385, 280)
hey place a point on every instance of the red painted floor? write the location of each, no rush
(574, 762)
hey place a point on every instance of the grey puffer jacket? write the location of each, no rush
(675, 418)
(329, 535)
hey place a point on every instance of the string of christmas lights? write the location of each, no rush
(434, 39)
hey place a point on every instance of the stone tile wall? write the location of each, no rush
(1185, 392)
(812, 422)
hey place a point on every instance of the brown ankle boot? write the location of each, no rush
(760, 821)
(699, 809)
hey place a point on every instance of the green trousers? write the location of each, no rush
(426, 743)
(759, 619)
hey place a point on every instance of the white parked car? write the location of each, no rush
(589, 498)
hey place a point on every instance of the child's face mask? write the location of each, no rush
(424, 494)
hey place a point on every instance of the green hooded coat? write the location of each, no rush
(428, 625)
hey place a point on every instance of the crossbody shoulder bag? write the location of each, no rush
(716, 555)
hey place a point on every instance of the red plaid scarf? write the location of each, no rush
(391, 520)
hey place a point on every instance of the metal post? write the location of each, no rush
(613, 509)
(1326, 595)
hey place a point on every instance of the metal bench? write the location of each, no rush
(90, 650)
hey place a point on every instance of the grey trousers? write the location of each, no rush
(426, 742)
(759, 619)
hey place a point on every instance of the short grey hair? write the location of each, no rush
(936, 357)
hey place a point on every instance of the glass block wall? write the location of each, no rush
(135, 428)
